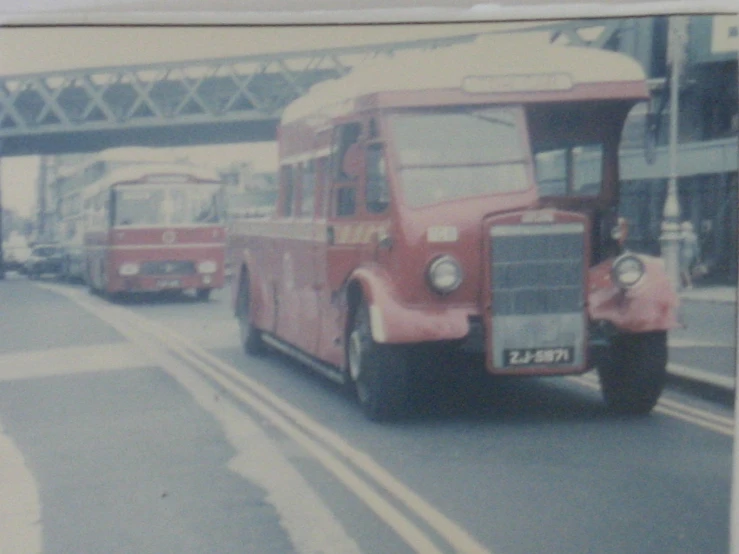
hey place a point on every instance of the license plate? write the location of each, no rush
(538, 356)
(168, 283)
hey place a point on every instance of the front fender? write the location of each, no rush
(650, 306)
(394, 322)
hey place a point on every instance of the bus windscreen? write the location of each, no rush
(147, 205)
(459, 154)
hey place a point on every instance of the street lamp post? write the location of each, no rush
(2, 237)
(670, 238)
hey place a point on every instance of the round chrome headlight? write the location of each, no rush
(128, 269)
(444, 274)
(207, 267)
(627, 271)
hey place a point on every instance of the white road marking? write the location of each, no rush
(311, 525)
(674, 342)
(722, 381)
(20, 507)
(62, 361)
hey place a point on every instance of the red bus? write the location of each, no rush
(459, 200)
(155, 227)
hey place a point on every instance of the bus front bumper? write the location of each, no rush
(152, 283)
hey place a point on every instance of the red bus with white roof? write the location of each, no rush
(155, 226)
(463, 199)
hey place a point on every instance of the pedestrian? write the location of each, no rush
(689, 253)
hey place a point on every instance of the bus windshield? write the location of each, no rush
(459, 154)
(153, 205)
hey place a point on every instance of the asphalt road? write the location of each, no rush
(170, 439)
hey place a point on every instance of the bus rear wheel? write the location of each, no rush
(379, 372)
(251, 337)
(634, 373)
(203, 294)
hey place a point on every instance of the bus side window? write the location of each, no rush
(551, 172)
(573, 171)
(322, 186)
(377, 188)
(289, 191)
(345, 201)
(345, 157)
(308, 189)
(111, 210)
(344, 137)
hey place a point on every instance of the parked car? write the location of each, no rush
(45, 259)
(15, 257)
(15, 253)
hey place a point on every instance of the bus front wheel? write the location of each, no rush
(634, 373)
(379, 372)
(203, 294)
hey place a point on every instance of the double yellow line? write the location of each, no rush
(421, 526)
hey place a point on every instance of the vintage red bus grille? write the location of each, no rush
(537, 288)
(168, 268)
(537, 273)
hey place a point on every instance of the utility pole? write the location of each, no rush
(2, 236)
(670, 238)
(41, 193)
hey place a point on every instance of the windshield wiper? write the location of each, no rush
(492, 119)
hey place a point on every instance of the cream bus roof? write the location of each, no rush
(496, 55)
(142, 154)
(133, 172)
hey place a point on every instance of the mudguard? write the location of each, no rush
(651, 305)
(393, 322)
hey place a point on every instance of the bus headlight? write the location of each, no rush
(627, 271)
(207, 267)
(444, 274)
(128, 269)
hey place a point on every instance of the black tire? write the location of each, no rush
(203, 294)
(379, 372)
(634, 373)
(251, 337)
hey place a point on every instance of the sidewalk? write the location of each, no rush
(722, 383)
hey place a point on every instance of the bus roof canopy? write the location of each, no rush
(498, 63)
(134, 172)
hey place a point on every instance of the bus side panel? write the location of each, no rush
(253, 248)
